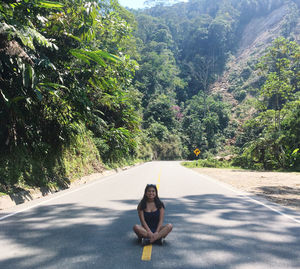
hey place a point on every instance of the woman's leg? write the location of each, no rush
(140, 231)
(165, 230)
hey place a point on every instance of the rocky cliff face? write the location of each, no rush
(262, 31)
(239, 82)
(297, 2)
(258, 34)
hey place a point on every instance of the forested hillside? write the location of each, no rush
(89, 84)
(66, 96)
(206, 59)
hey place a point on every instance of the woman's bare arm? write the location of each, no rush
(161, 219)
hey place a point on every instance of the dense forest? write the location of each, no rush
(86, 85)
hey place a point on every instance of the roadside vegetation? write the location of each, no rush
(88, 85)
(210, 163)
(66, 100)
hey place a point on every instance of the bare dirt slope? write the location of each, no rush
(281, 188)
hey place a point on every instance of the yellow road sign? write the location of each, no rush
(197, 151)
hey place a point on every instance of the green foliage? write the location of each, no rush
(240, 95)
(210, 162)
(77, 88)
(48, 166)
(81, 157)
(183, 49)
(205, 119)
(280, 66)
(169, 148)
(160, 109)
(246, 72)
(271, 139)
(63, 65)
(158, 72)
(144, 149)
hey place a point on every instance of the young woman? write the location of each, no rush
(151, 212)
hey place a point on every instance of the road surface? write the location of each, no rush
(90, 226)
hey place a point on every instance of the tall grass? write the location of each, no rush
(213, 163)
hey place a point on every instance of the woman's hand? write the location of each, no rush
(150, 234)
(153, 236)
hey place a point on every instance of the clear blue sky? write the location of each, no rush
(132, 3)
(136, 3)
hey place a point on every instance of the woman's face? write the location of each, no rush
(150, 193)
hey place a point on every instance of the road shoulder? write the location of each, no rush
(278, 187)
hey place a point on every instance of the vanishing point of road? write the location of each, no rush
(90, 226)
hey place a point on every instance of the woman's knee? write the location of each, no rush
(169, 226)
(135, 228)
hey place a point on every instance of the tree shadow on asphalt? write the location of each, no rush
(22, 195)
(210, 231)
(216, 231)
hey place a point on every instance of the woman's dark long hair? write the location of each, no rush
(143, 203)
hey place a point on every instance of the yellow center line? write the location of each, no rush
(158, 180)
(147, 250)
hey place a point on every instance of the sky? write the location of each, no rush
(135, 3)
(132, 3)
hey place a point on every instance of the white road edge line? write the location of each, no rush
(243, 193)
(58, 196)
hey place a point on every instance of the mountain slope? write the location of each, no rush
(214, 46)
(239, 78)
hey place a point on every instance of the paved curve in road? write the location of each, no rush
(91, 226)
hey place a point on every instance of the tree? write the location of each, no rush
(20, 45)
(274, 143)
(204, 120)
(64, 73)
(278, 65)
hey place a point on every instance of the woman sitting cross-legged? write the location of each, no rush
(151, 212)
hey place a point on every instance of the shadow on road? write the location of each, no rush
(210, 231)
(216, 231)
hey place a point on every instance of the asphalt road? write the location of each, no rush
(91, 226)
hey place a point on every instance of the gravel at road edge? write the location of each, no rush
(279, 187)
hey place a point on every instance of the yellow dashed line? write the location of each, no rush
(158, 180)
(147, 251)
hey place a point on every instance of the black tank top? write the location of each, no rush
(152, 219)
